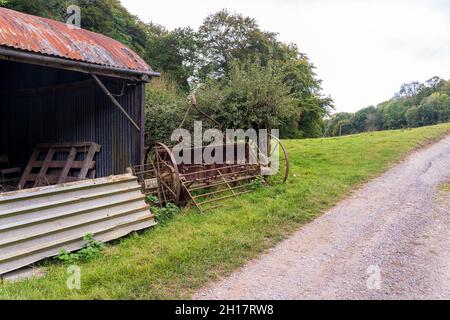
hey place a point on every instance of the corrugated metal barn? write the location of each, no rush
(58, 83)
(64, 88)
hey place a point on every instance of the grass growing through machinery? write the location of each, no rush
(443, 195)
(190, 249)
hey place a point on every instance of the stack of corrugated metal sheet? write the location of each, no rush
(38, 223)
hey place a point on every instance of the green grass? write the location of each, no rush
(173, 260)
(445, 187)
(443, 195)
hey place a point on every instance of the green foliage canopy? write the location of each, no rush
(415, 105)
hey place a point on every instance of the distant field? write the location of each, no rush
(173, 260)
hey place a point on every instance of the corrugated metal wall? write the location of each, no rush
(37, 223)
(79, 115)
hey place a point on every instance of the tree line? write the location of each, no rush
(415, 105)
(243, 76)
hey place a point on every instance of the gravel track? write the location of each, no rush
(389, 240)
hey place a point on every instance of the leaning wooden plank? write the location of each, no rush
(28, 168)
(10, 170)
(62, 164)
(87, 162)
(68, 165)
(40, 178)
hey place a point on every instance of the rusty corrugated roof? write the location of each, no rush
(49, 37)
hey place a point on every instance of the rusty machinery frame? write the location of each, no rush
(206, 184)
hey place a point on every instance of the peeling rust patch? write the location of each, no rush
(40, 35)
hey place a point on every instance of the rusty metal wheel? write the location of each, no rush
(275, 164)
(166, 171)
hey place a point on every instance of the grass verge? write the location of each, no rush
(443, 195)
(173, 260)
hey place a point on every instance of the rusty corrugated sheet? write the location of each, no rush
(38, 223)
(44, 36)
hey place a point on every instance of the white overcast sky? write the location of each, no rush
(363, 49)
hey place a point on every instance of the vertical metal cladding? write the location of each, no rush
(74, 115)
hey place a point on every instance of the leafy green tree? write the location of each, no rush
(311, 107)
(227, 37)
(365, 120)
(250, 96)
(412, 117)
(52, 9)
(372, 120)
(444, 87)
(340, 124)
(175, 53)
(394, 114)
(165, 109)
(411, 90)
(434, 109)
(430, 86)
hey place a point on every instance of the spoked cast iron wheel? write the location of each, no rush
(166, 172)
(275, 165)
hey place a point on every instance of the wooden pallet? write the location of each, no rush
(55, 163)
(8, 176)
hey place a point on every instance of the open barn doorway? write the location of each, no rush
(42, 107)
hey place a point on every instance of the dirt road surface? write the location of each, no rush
(389, 240)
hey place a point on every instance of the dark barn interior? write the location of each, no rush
(47, 105)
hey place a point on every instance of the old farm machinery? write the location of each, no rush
(238, 168)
